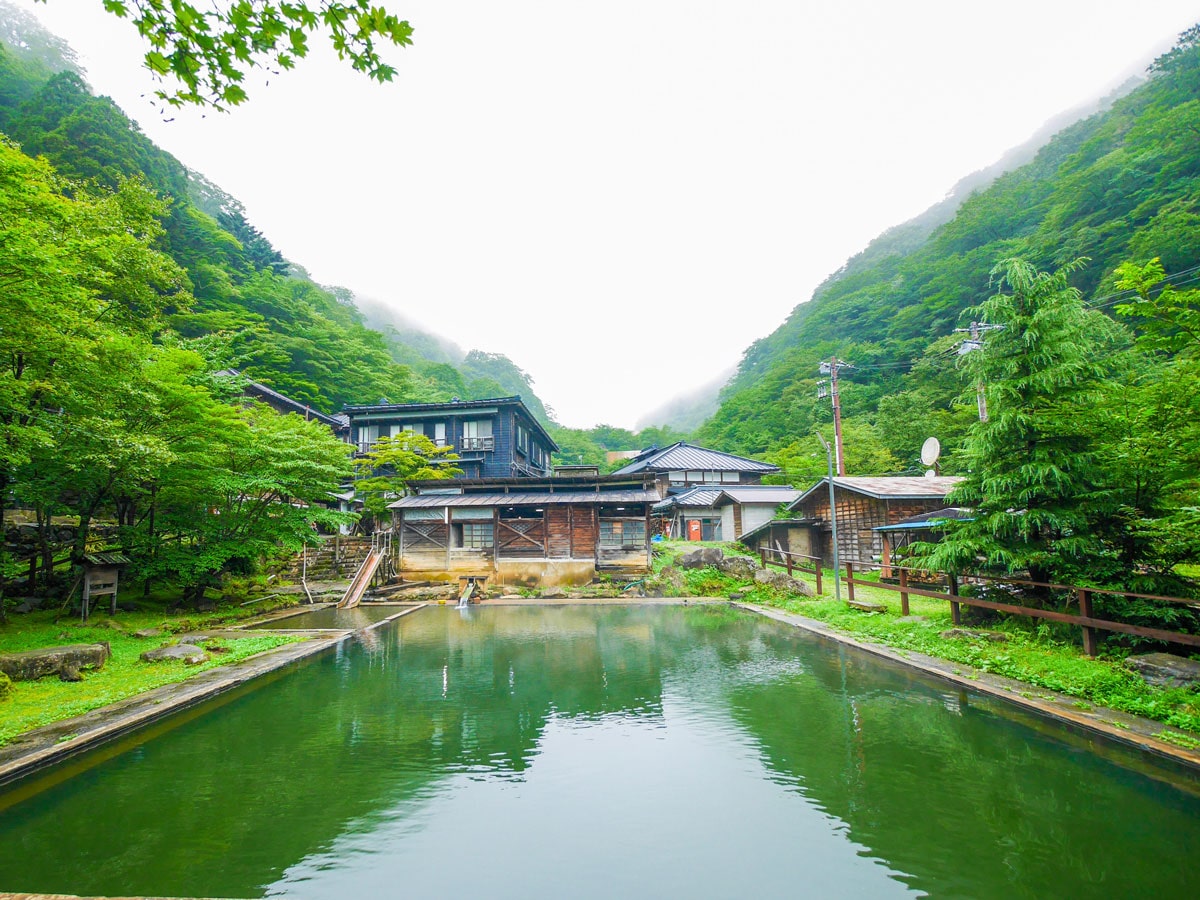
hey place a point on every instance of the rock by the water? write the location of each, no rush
(742, 567)
(867, 606)
(783, 582)
(189, 653)
(554, 594)
(975, 634)
(148, 633)
(1165, 669)
(701, 557)
(29, 665)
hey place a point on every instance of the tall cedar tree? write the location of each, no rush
(1031, 476)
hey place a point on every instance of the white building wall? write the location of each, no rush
(753, 515)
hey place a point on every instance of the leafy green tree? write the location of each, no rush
(245, 483)
(209, 50)
(1031, 468)
(393, 460)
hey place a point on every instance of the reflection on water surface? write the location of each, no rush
(601, 751)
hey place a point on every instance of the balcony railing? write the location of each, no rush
(477, 443)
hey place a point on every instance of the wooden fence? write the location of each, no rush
(1080, 595)
(793, 561)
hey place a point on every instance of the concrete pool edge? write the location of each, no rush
(43, 747)
(1123, 728)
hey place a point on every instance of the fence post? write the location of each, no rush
(1091, 644)
(955, 609)
(903, 592)
(788, 559)
(762, 555)
(849, 582)
(817, 568)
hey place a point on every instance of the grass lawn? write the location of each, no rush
(35, 703)
(1043, 655)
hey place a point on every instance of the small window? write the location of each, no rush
(676, 477)
(730, 477)
(472, 536)
(712, 477)
(622, 533)
(439, 433)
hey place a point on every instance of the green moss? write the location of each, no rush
(33, 704)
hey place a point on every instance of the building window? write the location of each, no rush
(677, 477)
(367, 436)
(477, 435)
(522, 439)
(730, 477)
(439, 434)
(472, 536)
(620, 533)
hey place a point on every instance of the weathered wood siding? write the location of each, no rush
(558, 532)
(857, 516)
(584, 532)
(521, 539)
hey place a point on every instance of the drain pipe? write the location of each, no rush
(837, 571)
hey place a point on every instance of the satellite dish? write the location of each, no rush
(930, 451)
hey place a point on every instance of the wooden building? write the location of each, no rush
(283, 404)
(685, 465)
(556, 530)
(498, 438)
(721, 513)
(863, 504)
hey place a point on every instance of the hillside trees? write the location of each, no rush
(105, 412)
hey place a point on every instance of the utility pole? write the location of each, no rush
(973, 343)
(831, 369)
(837, 572)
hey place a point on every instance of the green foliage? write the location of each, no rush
(392, 461)
(209, 51)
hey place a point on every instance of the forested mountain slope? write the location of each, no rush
(258, 311)
(1123, 184)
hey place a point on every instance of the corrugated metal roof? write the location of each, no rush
(930, 520)
(530, 498)
(706, 496)
(766, 493)
(107, 559)
(694, 497)
(684, 456)
(888, 487)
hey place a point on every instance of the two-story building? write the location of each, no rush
(497, 438)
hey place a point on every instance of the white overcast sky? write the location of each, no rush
(622, 196)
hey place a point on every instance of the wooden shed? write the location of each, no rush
(558, 530)
(863, 505)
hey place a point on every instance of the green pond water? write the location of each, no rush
(331, 617)
(603, 752)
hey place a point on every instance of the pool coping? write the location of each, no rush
(42, 747)
(1123, 728)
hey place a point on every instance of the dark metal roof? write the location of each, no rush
(684, 456)
(527, 498)
(717, 495)
(452, 407)
(106, 559)
(696, 497)
(270, 395)
(930, 520)
(888, 487)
